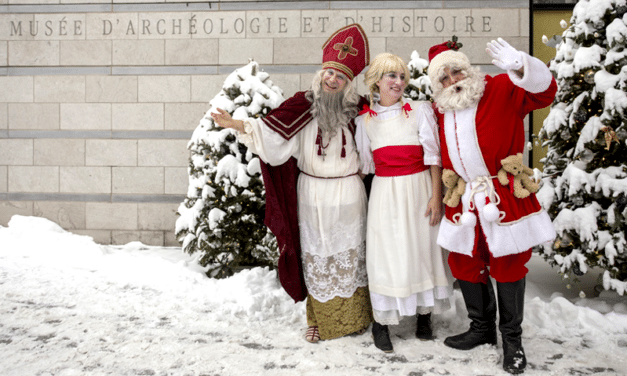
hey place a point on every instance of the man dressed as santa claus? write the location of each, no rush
(493, 228)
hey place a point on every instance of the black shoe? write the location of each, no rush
(481, 305)
(381, 336)
(471, 339)
(514, 360)
(423, 327)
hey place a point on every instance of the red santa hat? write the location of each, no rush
(445, 55)
(347, 51)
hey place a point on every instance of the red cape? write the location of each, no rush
(291, 116)
(281, 197)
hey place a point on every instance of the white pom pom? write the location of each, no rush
(469, 219)
(563, 24)
(491, 212)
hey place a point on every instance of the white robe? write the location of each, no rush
(406, 267)
(331, 206)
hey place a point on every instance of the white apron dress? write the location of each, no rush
(407, 271)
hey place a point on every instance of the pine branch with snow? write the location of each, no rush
(419, 86)
(222, 215)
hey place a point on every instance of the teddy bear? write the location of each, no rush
(515, 174)
(456, 187)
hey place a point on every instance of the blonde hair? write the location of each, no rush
(382, 64)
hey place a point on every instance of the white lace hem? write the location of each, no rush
(339, 275)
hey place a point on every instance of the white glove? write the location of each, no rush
(505, 56)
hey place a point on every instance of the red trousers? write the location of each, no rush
(482, 264)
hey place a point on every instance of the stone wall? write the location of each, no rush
(99, 98)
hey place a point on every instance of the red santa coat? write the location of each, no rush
(475, 140)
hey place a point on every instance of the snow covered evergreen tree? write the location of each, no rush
(585, 169)
(419, 86)
(222, 216)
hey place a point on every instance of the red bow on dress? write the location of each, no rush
(406, 109)
(367, 110)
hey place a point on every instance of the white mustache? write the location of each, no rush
(461, 95)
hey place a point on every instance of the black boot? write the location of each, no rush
(511, 297)
(423, 327)
(481, 305)
(381, 336)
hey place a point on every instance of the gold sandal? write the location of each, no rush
(312, 335)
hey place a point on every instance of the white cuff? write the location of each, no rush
(537, 78)
(432, 161)
(246, 137)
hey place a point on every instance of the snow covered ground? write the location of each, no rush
(69, 306)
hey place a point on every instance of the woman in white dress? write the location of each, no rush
(407, 270)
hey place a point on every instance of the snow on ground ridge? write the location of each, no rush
(140, 310)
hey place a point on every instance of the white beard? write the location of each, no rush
(329, 109)
(333, 110)
(464, 94)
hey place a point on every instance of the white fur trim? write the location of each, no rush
(537, 78)
(491, 212)
(461, 138)
(456, 238)
(502, 239)
(518, 237)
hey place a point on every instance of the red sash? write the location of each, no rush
(399, 160)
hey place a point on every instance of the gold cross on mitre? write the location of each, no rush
(345, 48)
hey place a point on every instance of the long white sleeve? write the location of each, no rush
(428, 134)
(366, 164)
(271, 147)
